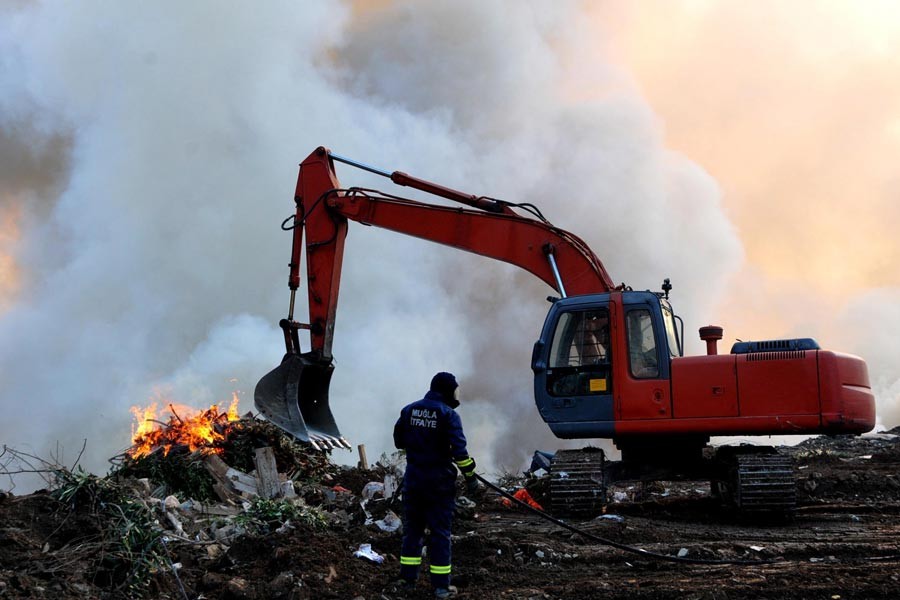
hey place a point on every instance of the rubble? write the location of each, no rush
(138, 533)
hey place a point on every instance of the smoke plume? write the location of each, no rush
(158, 148)
(794, 112)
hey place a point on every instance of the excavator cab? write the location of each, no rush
(595, 348)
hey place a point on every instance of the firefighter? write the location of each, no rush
(431, 433)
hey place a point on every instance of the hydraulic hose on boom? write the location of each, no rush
(294, 395)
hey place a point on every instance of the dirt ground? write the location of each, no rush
(843, 543)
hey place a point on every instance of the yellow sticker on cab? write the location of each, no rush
(597, 385)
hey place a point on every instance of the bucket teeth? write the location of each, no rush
(323, 441)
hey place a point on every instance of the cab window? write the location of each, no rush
(671, 330)
(579, 361)
(581, 339)
(642, 358)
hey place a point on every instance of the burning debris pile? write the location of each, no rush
(185, 453)
(191, 495)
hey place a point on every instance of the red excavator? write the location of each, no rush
(608, 363)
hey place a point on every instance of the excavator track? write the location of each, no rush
(763, 485)
(577, 486)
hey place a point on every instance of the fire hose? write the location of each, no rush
(617, 545)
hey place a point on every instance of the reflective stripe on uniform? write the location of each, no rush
(436, 570)
(411, 560)
(465, 462)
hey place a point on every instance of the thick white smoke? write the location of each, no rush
(154, 260)
(794, 112)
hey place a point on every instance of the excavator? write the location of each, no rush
(608, 363)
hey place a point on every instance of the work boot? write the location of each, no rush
(447, 592)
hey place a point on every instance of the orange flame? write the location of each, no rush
(198, 430)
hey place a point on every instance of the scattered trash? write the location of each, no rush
(365, 551)
(523, 496)
(620, 496)
(539, 553)
(285, 527)
(611, 517)
(464, 502)
(682, 553)
(390, 486)
(756, 548)
(540, 461)
(391, 522)
(340, 488)
(332, 574)
(372, 488)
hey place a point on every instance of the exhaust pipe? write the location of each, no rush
(711, 334)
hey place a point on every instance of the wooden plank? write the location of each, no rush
(242, 482)
(269, 485)
(216, 466)
(363, 462)
(231, 479)
(225, 494)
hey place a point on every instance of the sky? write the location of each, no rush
(148, 155)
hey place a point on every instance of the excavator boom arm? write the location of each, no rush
(294, 395)
(323, 209)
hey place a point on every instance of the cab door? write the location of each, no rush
(573, 365)
(643, 392)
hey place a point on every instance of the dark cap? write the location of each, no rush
(445, 384)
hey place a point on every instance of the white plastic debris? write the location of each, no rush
(365, 551)
(285, 527)
(390, 486)
(390, 522)
(539, 553)
(682, 553)
(464, 502)
(620, 496)
(615, 518)
(372, 488)
(756, 548)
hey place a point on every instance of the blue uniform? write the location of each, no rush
(432, 435)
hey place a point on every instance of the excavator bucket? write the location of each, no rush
(294, 396)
